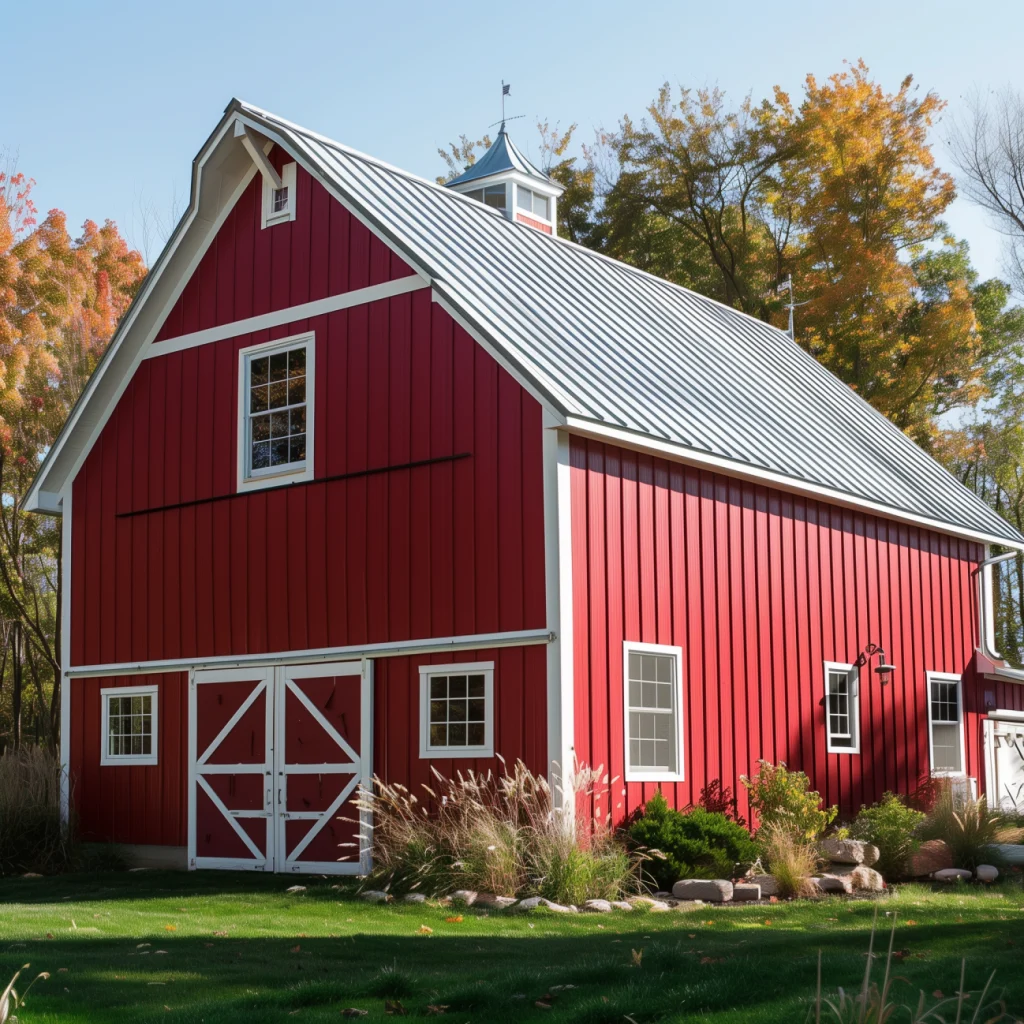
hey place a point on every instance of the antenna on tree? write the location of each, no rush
(787, 285)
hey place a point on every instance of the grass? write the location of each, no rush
(226, 948)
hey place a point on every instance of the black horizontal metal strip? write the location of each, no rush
(374, 471)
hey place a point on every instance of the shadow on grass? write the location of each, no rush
(669, 974)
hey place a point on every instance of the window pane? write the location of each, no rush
(946, 748)
(438, 736)
(297, 448)
(279, 424)
(296, 390)
(634, 693)
(476, 686)
(296, 362)
(259, 399)
(476, 710)
(457, 734)
(494, 196)
(261, 428)
(279, 452)
(259, 370)
(476, 734)
(540, 206)
(261, 455)
(439, 686)
(524, 198)
(278, 395)
(456, 686)
(438, 711)
(298, 420)
(278, 366)
(456, 710)
(280, 199)
(477, 194)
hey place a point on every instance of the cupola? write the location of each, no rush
(504, 179)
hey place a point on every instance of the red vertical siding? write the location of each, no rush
(145, 804)
(249, 270)
(760, 588)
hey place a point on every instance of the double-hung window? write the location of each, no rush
(653, 712)
(457, 710)
(275, 427)
(842, 709)
(129, 720)
(945, 724)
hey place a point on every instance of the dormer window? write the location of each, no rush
(533, 203)
(492, 195)
(279, 201)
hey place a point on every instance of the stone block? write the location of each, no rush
(716, 890)
(952, 875)
(745, 891)
(860, 875)
(596, 907)
(769, 887)
(834, 883)
(842, 851)
(986, 873)
(533, 902)
(871, 854)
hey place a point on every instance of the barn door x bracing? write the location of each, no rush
(276, 759)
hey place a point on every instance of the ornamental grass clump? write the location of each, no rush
(33, 835)
(499, 833)
(969, 828)
(792, 860)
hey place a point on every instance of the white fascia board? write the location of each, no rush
(769, 478)
(546, 188)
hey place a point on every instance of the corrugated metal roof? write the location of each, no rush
(502, 156)
(608, 343)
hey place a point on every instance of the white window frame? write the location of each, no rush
(854, 698)
(942, 773)
(270, 218)
(427, 672)
(294, 472)
(106, 758)
(632, 774)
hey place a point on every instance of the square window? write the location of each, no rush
(129, 717)
(654, 702)
(275, 421)
(457, 710)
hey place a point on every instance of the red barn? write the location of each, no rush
(379, 476)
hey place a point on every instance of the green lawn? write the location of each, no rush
(236, 948)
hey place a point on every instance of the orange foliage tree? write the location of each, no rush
(60, 301)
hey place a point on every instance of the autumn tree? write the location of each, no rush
(60, 301)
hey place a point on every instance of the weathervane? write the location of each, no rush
(506, 90)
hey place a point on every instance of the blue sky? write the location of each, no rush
(114, 99)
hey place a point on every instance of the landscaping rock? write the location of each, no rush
(596, 907)
(414, 897)
(834, 883)
(986, 873)
(651, 904)
(621, 905)
(1012, 853)
(769, 887)
(488, 899)
(464, 896)
(745, 891)
(931, 856)
(533, 902)
(871, 854)
(952, 875)
(842, 851)
(716, 890)
(860, 875)
(374, 896)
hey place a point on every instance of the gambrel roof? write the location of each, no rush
(616, 353)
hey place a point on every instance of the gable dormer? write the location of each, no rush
(504, 179)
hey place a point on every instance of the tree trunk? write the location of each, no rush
(16, 653)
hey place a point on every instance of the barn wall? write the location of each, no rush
(455, 547)
(146, 804)
(249, 270)
(760, 588)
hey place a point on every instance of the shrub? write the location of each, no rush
(689, 844)
(892, 826)
(779, 796)
(969, 828)
(498, 833)
(792, 859)
(33, 837)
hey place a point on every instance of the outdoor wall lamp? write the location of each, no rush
(883, 668)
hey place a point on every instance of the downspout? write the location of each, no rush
(986, 604)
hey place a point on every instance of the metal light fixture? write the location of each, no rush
(883, 668)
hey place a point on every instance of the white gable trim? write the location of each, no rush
(755, 474)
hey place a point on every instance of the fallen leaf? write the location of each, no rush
(938, 994)
(691, 935)
(394, 1008)
(910, 921)
(767, 920)
(426, 930)
(295, 949)
(170, 927)
(773, 899)
(541, 1005)
(62, 970)
(220, 935)
(49, 935)
(638, 956)
(455, 919)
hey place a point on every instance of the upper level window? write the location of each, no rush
(654, 716)
(945, 724)
(842, 709)
(276, 412)
(279, 203)
(457, 710)
(492, 195)
(129, 724)
(533, 202)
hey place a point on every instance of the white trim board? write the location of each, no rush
(390, 649)
(769, 478)
(291, 314)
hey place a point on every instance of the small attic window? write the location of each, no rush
(492, 195)
(279, 203)
(533, 202)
